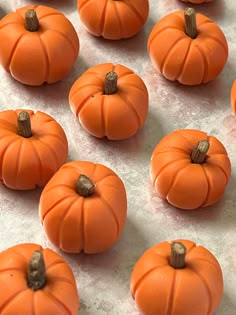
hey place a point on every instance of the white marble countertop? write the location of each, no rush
(103, 280)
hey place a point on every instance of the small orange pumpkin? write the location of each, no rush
(177, 278)
(197, 1)
(83, 207)
(233, 97)
(110, 101)
(113, 19)
(190, 169)
(43, 45)
(196, 50)
(36, 280)
(32, 148)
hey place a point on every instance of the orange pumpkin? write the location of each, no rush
(32, 148)
(83, 207)
(177, 278)
(233, 97)
(190, 169)
(43, 45)
(36, 280)
(195, 52)
(113, 19)
(197, 1)
(110, 101)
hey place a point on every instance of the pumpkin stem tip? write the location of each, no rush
(190, 22)
(85, 187)
(31, 21)
(24, 124)
(36, 276)
(110, 86)
(177, 256)
(199, 153)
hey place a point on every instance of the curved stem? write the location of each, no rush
(24, 125)
(84, 186)
(31, 21)
(200, 151)
(36, 276)
(110, 85)
(190, 23)
(177, 256)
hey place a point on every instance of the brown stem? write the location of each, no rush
(190, 22)
(177, 256)
(31, 21)
(36, 276)
(200, 151)
(110, 85)
(24, 125)
(84, 186)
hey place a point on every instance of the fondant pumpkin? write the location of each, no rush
(83, 207)
(113, 19)
(197, 1)
(43, 45)
(177, 278)
(195, 52)
(32, 148)
(36, 280)
(190, 169)
(233, 97)
(110, 101)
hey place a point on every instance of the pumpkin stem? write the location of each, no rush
(36, 276)
(24, 125)
(84, 186)
(177, 256)
(31, 21)
(110, 86)
(190, 22)
(199, 153)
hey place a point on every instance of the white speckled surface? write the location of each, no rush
(103, 280)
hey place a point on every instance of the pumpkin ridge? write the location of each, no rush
(210, 306)
(182, 66)
(205, 63)
(138, 283)
(82, 230)
(137, 88)
(155, 34)
(222, 170)
(57, 301)
(174, 179)
(51, 208)
(173, 149)
(132, 109)
(82, 105)
(182, 133)
(54, 263)
(11, 55)
(110, 210)
(173, 45)
(204, 260)
(52, 151)
(103, 19)
(18, 157)
(120, 28)
(8, 122)
(103, 119)
(48, 14)
(101, 179)
(124, 74)
(208, 188)
(53, 135)
(218, 42)
(136, 13)
(40, 163)
(83, 86)
(66, 214)
(52, 187)
(170, 303)
(11, 298)
(163, 167)
(47, 67)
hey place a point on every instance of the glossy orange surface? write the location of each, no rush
(113, 19)
(75, 223)
(159, 289)
(26, 163)
(184, 184)
(116, 116)
(46, 55)
(183, 59)
(58, 296)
